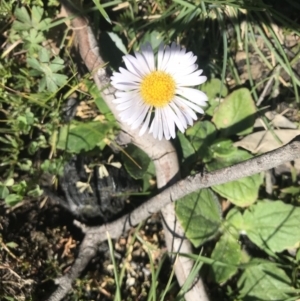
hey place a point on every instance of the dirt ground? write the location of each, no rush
(39, 242)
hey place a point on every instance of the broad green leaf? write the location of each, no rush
(200, 215)
(13, 199)
(77, 137)
(186, 147)
(135, 161)
(235, 219)
(222, 148)
(153, 37)
(9, 182)
(264, 281)
(214, 90)
(227, 251)
(236, 114)
(201, 135)
(4, 192)
(188, 153)
(273, 225)
(242, 192)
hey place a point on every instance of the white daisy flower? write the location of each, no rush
(160, 86)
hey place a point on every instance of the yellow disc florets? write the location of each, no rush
(158, 88)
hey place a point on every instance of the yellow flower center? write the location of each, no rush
(158, 88)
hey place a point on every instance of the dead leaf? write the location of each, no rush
(264, 141)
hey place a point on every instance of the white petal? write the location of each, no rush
(193, 106)
(142, 63)
(124, 96)
(185, 109)
(178, 117)
(130, 76)
(125, 86)
(191, 80)
(125, 105)
(148, 54)
(141, 118)
(133, 66)
(160, 55)
(130, 63)
(146, 123)
(160, 124)
(168, 116)
(193, 95)
(136, 113)
(166, 58)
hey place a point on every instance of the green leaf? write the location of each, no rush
(54, 166)
(200, 215)
(236, 114)
(294, 190)
(25, 164)
(36, 15)
(264, 281)
(148, 176)
(223, 148)
(20, 188)
(273, 225)
(9, 182)
(235, 219)
(153, 37)
(36, 192)
(22, 15)
(118, 41)
(4, 192)
(13, 199)
(76, 137)
(44, 67)
(227, 251)
(136, 162)
(12, 245)
(44, 55)
(186, 146)
(201, 135)
(33, 63)
(212, 89)
(242, 192)
(102, 11)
